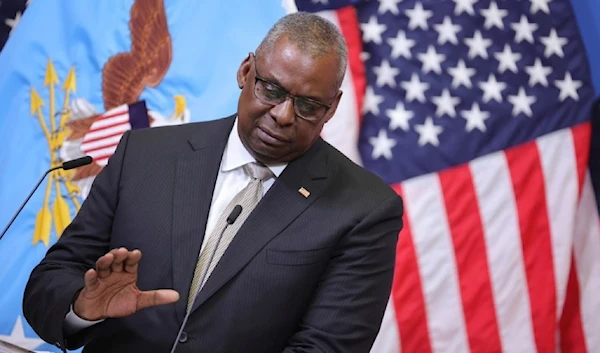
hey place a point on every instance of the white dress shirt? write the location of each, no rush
(231, 179)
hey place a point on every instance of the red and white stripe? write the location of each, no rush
(101, 141)
(587, 264)
(439, 273)
(500, 255)
(500, 220)
(342, 130)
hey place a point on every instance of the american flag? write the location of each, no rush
(103, 136)
(479, 114)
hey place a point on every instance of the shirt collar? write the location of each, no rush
(236, 155)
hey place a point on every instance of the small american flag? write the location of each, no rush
(478, 113)
(101, 140)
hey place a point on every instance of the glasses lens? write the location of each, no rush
(274, 95)
(269, 93)
(308, 110)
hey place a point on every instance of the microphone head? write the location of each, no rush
(76, 163)
(235, 213)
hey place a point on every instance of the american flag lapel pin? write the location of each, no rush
(304, 192)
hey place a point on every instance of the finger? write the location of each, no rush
(132, 261)
(156, 297)
(120, 256)
(103, 265)
(91, 279)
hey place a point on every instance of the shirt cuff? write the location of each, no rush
(74, 323)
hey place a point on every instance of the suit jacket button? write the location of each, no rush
(183, 338)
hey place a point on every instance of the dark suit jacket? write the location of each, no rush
(302, 275)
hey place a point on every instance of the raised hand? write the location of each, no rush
(111, 289)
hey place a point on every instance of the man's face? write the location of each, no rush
(275, 134)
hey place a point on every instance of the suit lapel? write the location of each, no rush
(195, 177)
(281, 205)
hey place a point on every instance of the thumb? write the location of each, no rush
(156, 297)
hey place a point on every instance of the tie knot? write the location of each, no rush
(258, 171)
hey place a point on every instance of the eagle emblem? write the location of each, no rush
(124, 77)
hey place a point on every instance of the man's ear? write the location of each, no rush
(334, 106)
(243, 71)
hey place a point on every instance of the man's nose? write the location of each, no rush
(284, 113)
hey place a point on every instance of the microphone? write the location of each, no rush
(233, 216)
(72, 164)
(235, 213)
(76, 163)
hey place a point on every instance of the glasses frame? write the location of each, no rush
(287, 95)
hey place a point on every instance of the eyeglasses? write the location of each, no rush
(272, 94)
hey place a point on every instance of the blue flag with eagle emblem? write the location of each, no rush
(63, 94)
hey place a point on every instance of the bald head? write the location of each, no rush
(312, 34)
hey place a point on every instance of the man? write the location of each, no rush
(307, 267)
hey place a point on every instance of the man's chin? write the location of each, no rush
(267, 154)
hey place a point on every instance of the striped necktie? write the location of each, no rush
(248, 198)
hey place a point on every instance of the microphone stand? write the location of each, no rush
(27, 199)
(235, 213)
(72, 164)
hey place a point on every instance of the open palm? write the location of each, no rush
(111, 288)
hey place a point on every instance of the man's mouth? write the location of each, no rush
(271, 137)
